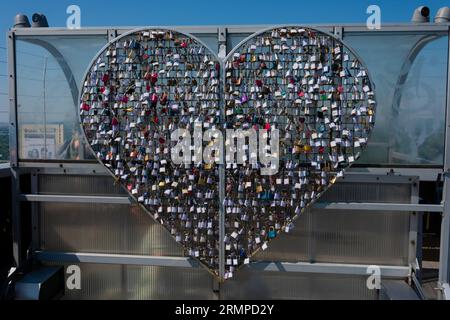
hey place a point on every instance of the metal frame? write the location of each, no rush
(444, 254)
(413, 225)
(35, 217)
(362, 206)
(14, 154)
(331, 268)
(185, 262)
(87, 168)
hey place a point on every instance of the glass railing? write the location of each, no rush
(409, 71)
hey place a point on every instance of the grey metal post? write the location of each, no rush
(413, 224)
(222, 47)
(35, 225)
(445, 224)
(14, 153)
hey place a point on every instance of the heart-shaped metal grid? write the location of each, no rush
(301, 95)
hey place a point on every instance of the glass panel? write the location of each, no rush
(210, 40)
(409, 128)
(49, 71)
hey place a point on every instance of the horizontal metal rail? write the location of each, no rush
(74, 199)
(396, 27)
(186, 262)
(400, 207)
(77, 257)
(89, 168)
(333, 268)
(365, 206)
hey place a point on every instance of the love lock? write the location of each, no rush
(171, 121)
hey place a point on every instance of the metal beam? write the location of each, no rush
(79, 257)
(424, 174)
(74, 199)
(186, 262)
(14, 153)
(363, 206)
(399, 27)
(349, 28)
(331, 268)
(444, 252)
(35, 216)
(387, 174)
(352, 177)
(398, 207)
(383, 175)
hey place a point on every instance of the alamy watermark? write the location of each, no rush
(263, 144)
(74, 20)
(374, 280)
(73, 281)
(374, 20)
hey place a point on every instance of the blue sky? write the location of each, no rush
(201, 12)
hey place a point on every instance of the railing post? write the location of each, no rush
(444, 255)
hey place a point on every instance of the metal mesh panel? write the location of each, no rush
(100, 281)
(334, 236)
(78, 185)
(349, 236)
(106, 228)
(275, 285)
(369, 192)
(105, 281)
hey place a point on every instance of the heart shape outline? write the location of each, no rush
(222, 101)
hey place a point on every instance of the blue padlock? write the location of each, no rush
(272, 233)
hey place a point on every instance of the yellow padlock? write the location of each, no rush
(207, 166)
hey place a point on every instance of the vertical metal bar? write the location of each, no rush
(112, 33)
(14, 153)
(35, 224)
(445, 224)
(413, 225)
(13, 149)
(222, 42)
(44, 102)
(221, 220)
(222, 47)
(419, 234)
(338, 32)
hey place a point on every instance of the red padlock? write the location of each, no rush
(154, 78)
(85, 106)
